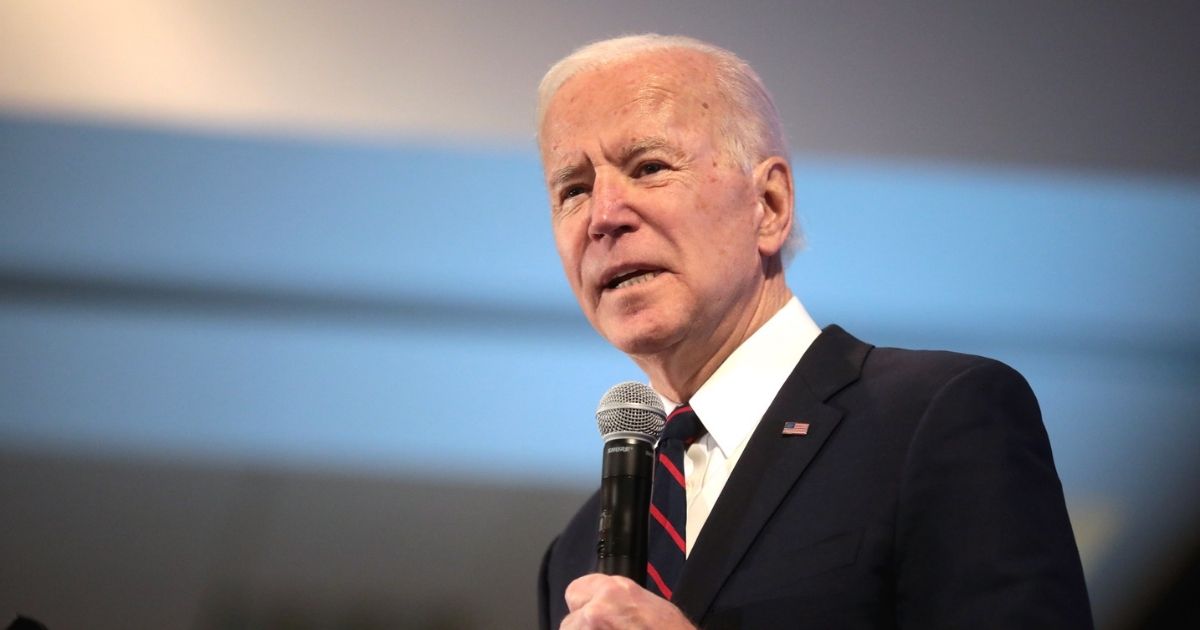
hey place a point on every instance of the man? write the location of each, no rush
(912, 489)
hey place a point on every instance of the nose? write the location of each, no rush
(612, 213)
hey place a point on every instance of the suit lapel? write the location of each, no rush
(770, 465)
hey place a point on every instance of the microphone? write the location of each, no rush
(631, 418)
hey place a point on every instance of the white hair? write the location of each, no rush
(751, 131)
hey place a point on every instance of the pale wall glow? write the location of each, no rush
(1018, 82)
(313, 68)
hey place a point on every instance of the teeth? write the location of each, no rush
(636, 280)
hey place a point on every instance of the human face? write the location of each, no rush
(655, 225)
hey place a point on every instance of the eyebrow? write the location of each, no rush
(639, 146)
(645, 145)
(565, 174)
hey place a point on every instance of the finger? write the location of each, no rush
(581, 590)
(572, 621)
(585, 619)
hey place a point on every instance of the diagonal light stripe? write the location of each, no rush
(658, 581)
(668, 527)
(671, 468)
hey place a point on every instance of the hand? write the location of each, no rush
(600, 602)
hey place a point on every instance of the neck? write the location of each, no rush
(680, 371)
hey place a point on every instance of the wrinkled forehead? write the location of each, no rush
(646, 81)
(660, 89)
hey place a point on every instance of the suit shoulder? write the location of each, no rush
(837, 359)
(933, 369)
(899, 386)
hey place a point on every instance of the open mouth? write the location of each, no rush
(632, 278)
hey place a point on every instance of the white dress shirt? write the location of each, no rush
(733, 400)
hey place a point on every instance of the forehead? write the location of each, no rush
(656, 87)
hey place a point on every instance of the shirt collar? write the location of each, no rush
(733, 400)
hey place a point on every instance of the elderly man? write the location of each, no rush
(833, 484)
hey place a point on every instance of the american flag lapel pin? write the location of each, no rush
(795, 428)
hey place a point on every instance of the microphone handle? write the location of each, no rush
(624, 507)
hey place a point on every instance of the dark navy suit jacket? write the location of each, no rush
(923, 496)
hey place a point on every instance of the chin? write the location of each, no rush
(640, 338)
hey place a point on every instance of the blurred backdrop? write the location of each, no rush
(284, 342)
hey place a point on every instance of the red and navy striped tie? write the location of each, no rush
(668, 502)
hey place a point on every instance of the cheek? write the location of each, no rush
(730, 236)
(726, 223)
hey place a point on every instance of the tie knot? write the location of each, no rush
(683, 424)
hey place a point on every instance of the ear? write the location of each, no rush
(773, 186)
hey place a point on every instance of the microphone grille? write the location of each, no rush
(631, 407)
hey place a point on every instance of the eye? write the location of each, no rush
(573, 191)
(649, 168)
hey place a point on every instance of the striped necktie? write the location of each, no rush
(667, 548)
